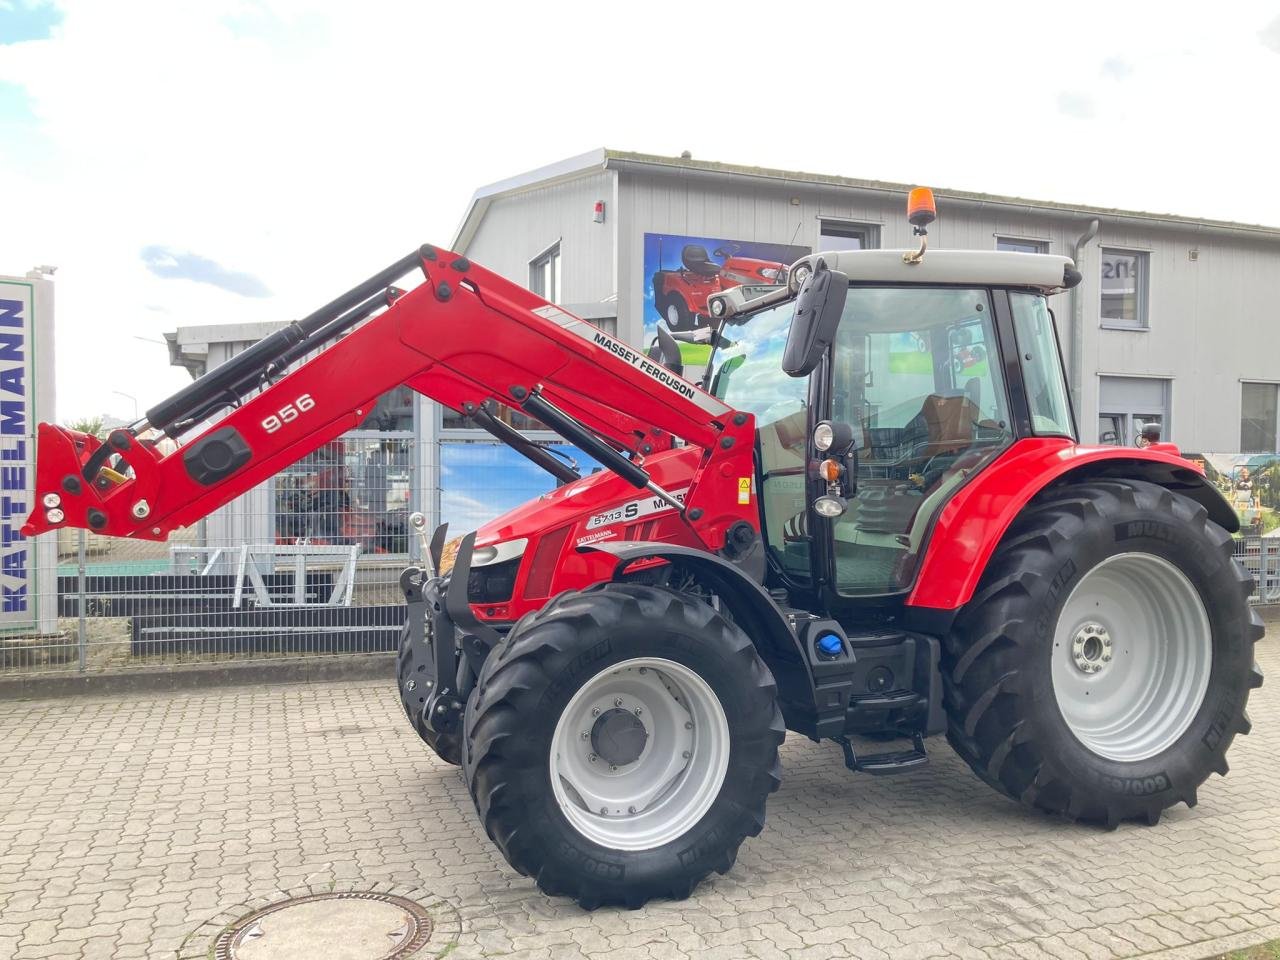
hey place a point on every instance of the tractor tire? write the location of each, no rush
(638, 699)
(1101, 670)
(413, 667)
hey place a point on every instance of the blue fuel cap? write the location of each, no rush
(830, 645)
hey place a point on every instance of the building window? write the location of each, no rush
(1127, 404)
(1124, 289)
(1258, 422)
(835, 235)
(1015, 245)
(544, 275)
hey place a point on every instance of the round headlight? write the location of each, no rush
(830, 506)
(798, 276)
(483, 556)
(717, 307)
(823, 437)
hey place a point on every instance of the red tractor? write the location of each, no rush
(680, 295)
(816, 543)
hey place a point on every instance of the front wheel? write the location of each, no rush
(622, 743)
(1102, 668)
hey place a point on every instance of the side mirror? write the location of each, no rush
(819, 306)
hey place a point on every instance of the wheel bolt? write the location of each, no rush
(613, 768)
(1106, 656)
(638, 711)
(644, 670)
(688, 724)
(586, 735)
(617, 702)
(591, 758)
(685, 754)
(595, 711)
(604, 811)
(631, 809)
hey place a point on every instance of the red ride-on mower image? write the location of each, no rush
(681, 295)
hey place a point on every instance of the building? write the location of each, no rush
(1171, 323)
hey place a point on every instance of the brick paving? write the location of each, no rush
(127, 823)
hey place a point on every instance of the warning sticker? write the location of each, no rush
(744, 490)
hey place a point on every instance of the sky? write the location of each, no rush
(187, 162)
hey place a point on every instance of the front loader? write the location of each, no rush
(875, 521)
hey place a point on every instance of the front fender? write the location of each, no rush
(753, 609)
(973, 522)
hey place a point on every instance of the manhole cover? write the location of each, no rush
(339, 926)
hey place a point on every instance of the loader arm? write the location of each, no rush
(462, 337)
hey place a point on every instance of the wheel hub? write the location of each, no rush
(618, 736)
(639, 753)
(1131, 658)
(1091, 648)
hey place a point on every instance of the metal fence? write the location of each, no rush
(307, 564)
(1260, 556)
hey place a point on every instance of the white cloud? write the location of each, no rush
(1270, 35)
(1116, 68)
(1078, 105)
(309, 144)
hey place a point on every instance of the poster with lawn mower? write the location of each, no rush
(1251, 484)
(681, 272)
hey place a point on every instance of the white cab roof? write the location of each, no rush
(979, 268)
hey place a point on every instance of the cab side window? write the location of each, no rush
(749, 377)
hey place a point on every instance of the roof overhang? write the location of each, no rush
(570, 169)
(721, 173)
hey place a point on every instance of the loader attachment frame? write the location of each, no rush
(464, 337)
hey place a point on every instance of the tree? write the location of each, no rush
(90, 425)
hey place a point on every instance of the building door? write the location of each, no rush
(1128, 404)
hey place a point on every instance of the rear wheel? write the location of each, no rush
(621, 744)
(1102, 668)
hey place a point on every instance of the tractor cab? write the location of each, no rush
(880, 386)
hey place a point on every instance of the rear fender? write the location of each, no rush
(973, 522)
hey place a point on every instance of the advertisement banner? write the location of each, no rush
(1251, 484)
(24, 399)
(681, 272)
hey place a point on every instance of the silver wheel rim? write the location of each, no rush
(1132, 654)
(673, 316)
(629, 791)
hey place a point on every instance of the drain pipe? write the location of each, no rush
(1077, 319)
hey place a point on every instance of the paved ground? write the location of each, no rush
(127, 823)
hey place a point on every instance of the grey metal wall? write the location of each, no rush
(1212, 320)
(516, 229)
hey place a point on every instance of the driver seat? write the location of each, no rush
(695, 260)
(949, 420)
